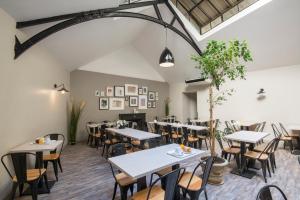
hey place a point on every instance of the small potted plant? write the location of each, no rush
(221, 62)
(121, 124)
(75, 110)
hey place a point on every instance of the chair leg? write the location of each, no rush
(264, 170)
(291, 146)
(104, 146)
(21, 186)
(55, 169)
(59, 164)
(33, 187)
(268, 167)
(131, 190)
(205, 192)
(45, 164)
(115, 190)
(88, 140)
(46, 182)
(206, 144)
(229, 158)
(124, 191)
(14, 189)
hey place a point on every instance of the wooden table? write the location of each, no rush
(246, 137)
(180, 125)
(139, 164)
(295, 129)
(38, 149)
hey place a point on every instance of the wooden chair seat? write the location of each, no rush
(129, 151)
(203, 137)
(52, 156)
(136, 142)
(255, 155)
(293, 135)
(97, 135)
(286, 138)
(32, 174)
(176, 136)
(124, 180)
(232, 150)
(157, 193)
(192, 139)
(113, 141)
(164, 171)
(195, 184)
(164, 133)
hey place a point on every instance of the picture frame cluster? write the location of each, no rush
(115, 96)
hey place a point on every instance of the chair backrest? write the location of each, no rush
(260, 127)
(171, 179)
(207, 168)
(235, 125)
(150, 127)
(219, 139)
(276, 131)
(270, 147)
(118, 149)
(169, 129)
(185, 133)
(57, 136)
(152, 143)
(283, 130)
(156, 128)
(229, 126)
(265, 193)
(19, 161)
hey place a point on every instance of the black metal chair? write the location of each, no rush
(121, 179)
(54, 157)
(189, 140)
(23, 174)
(265, 193)
(283, 137)
(155, 142)
(192, 185)
(156, 192)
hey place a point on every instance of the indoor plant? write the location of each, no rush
(167, 106)
(221, 62)
(75, 110)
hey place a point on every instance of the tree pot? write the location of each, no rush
(217, 171)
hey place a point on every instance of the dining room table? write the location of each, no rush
(246, 137)
(295, 130)
(39, 150)
(180, 125)
(139, 164)
(247, 125)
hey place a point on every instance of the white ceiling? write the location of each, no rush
(271, 31)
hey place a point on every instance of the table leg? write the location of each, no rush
(141, 183)
(242, 171)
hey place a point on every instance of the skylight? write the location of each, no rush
(210, 16)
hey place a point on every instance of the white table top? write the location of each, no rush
(246, 123)
(179, 125)
(142, 163)
(247, 136)
(133, 133)
(32, 147)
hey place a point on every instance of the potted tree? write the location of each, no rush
(221, 62)
(75, 110)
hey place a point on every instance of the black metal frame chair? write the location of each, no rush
(24, 175)
(194, 195)
(117, 150)
(283, 137)
(188, 140)
(53, 156)
(265, 193)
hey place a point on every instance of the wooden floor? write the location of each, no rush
(87, 176)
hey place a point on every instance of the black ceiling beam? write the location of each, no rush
(72, 15)
(228, 3)
(157, 12)
(98, 14)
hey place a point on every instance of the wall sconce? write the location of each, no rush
(61, 88)
(261, 91)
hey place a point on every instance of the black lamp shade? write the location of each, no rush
(166, 58)
(63, 90)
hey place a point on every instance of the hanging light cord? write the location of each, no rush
(166, 36)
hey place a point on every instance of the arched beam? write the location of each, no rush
(88, 16)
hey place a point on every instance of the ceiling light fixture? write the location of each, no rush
(61, 88)
(166, 58)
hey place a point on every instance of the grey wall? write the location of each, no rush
(84, 84)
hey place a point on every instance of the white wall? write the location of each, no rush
(280, 105)
(126, 61)
(29, 105)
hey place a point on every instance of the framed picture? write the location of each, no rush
(110, 91)
(131, 90)
(97, 93)
(133, 101)
(153, 104)
(140, 91)
(145, 90)
(151, 96)
(149, 104)
(116, 103)
(143, 102)
(102, 94)
(103, 104)
(119, 91)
